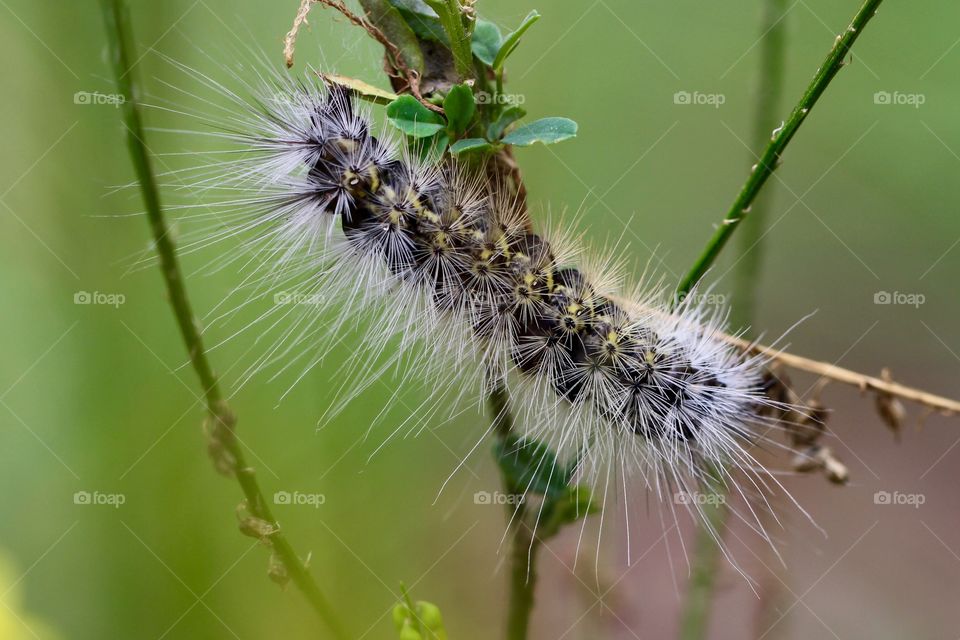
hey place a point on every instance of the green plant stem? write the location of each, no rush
(706, 557)
(523, 544)
(226, 449)
(523, 579)
(778, 142)
(705, 565)
(451, 18)
(747, 272)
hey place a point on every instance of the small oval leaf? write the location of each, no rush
(460, 107)
(546, 130)
(407, 114)
(486, 42)
(510, 115)
(470, 144)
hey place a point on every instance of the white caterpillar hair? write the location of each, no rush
(445, 258)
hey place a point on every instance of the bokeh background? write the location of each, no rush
(94, 398)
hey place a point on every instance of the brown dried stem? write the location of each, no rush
(394, 55)
(864, 382)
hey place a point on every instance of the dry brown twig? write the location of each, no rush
(884, 385)
(394, 55)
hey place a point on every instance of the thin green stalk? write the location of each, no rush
(452, 19)
(705, 565)
(227, 451)
(523, 580)
(778, 142)
(523, 544)
(706, 558)
(747, 273)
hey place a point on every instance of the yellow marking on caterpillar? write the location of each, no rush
(504, 246)
(346, 144)
(374, 178)
(414, 198)
(430, 216)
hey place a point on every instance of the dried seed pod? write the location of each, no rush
(821, 458)
(253, 526)
(835, 470)
(808, 460)
(277, 571)
(891, 410)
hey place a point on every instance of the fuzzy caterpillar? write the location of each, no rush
(625, 382)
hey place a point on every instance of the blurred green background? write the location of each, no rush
(95, 399)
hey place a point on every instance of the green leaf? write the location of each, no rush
(546, 130)
(401, 613)
(575, 503)
(510, 115)
(578, 503)
(531, 466)
(426, 28)
(422, 19)
(431, 620)
(407, 114)
(421, 620)
(418, 7)
(430, 150)
(470, 144)
(365, 91)
(487, 41)
(460, 107)
(387, 18)
(512, 40)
